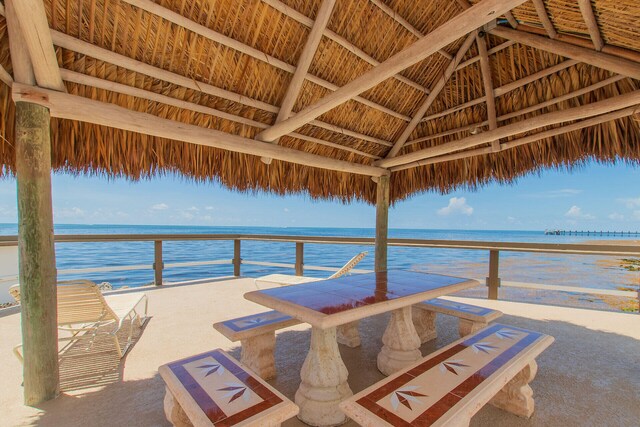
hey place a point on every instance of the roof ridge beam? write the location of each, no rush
(605, 61)
(487, 82)
(445, 34)
(594, 121)
(37, 38)
(98, 83)
(435, 91)
(592, 24)
(169, 15)
(541, 10)
(548, 119)
(308, 22)
(72, 107)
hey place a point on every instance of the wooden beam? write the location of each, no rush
(308, 52)
(548, 119)
(308, 22)
(71, 43)
(592, 24)
(491, 51)
(83, 79)
(435, 91)
(171, 16)
(524, 140)
(544, 18)
(406, 24)
(511, 19)
(37, 38)
(20, 59)
(506, 88)
(382, 223)
(5, 76)
(602, 60)
(37, 259)
(73, 107)
(487, 81)
(447, 33)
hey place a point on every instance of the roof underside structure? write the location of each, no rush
(321, 96)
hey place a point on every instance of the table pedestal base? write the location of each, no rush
(324, 381)
(401, 343)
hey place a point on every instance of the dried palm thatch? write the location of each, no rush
(270, 36)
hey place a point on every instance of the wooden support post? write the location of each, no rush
(38, 288)
(299, 259)
(493, 281)
(382, 223)
(158, 264)
(237, 259)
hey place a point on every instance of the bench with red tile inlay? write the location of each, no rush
(495, 365)
(471, 318)
(213, 389)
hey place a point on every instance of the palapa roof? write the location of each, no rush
(250, 49)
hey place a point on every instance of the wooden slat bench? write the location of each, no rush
(471, 318)
(213, 389)
(494, 365)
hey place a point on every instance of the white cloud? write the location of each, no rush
(636, 215)
(456, 206)
(193, 209)
(286, 209)
(209, 208)
(511, 219)
(73, 212)
(616, 216)
(631, 202)
(554, 194)
(575, 212)
(160, 207)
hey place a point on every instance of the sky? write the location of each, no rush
(593, 197)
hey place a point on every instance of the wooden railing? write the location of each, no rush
(494, 248)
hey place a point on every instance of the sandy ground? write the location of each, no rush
(589, 376)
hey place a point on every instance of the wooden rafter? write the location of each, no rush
(544, 19)
(604, 118)
(602, 60)
(592, 25)
(72, 107)
(549, 119)
(164, 13)
(447, 33)
(491, 51)
(435, 91)
(464, 4)
(487, 81)
(308, 22)
(20, 59)
(37, 39)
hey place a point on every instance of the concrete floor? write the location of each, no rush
(589, 376)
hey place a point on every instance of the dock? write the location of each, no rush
(592, 233)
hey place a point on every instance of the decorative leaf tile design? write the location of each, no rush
(484, 347)
(507, 334)
(253, 321)
(212, 368)
(235, 391)
(453, 366)
(404, 396)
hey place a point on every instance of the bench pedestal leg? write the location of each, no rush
(174, 412)
(348, 334)
(324, 381)
(401, 343)
(257, 354)
(425, 324)
(517, 396)
(467, 327)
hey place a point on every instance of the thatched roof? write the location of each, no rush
(360, 34)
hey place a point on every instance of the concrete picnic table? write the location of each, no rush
(330, 303)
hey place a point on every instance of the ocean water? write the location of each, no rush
(603, 272)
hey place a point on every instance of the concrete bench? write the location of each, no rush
(214, 389)
(471, 317)
(494, 365)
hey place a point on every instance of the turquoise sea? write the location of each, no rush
(568, 270)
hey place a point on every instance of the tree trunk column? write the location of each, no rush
(37, 254)
(382, 223)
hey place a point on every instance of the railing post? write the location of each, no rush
(158, 264)
(237, 260)
(299, 258)
(493, 281)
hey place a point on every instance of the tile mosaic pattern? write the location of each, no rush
(466, 308)
(426, 392)
(224, 391)
(348, 292)
(261, 319)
